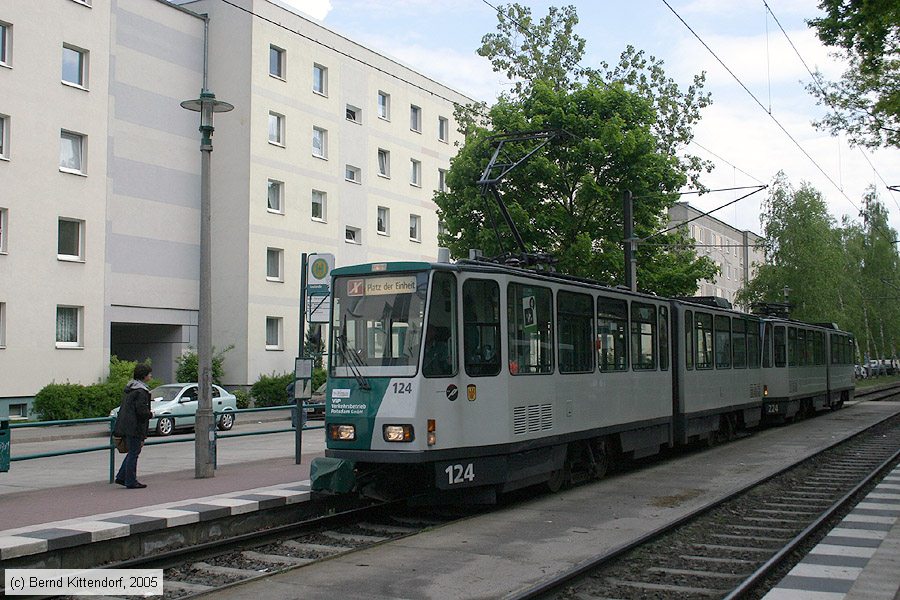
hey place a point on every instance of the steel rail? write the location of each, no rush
(546, 587)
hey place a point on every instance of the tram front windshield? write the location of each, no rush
(377, 324)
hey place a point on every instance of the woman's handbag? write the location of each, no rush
(121, 444)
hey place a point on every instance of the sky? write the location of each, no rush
(439, 38)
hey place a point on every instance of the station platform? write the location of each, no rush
(860, 558)
(73, 515)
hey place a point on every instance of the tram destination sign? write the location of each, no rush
(381, 286)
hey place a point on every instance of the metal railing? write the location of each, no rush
(110, 445)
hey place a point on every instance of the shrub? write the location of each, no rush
(65, 401)
(319, 377)
(187, 372)
(270, 390)
(242, 397)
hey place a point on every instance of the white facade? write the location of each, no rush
(734, 251)
(113, 247)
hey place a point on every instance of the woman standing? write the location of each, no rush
(132, 424)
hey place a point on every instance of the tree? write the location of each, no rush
(865, 104)
(803, 255)
(566, 200)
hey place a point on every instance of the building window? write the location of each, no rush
(274, 264)
(276, 62)
(442, 180)
(415, 228)
(3, 330)
(71, 152)
(4, 136)
(74, 66)
(68, 326)
(276, 129)
(353, 235)
(384, 163)
(443, 129)
(4, 226)
(318, 205)
(273, 333)
(70, 240)
(353, 174)
(415, 118)
(320, 142)
(320, 80)
(275, 196)
(384, 106)
(84, 2)
(415, 172)
(383, 221)
(5, 44)
(354, 113)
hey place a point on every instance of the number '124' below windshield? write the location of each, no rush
(378, 322)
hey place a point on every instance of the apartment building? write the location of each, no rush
(331, 147)
(733, 250)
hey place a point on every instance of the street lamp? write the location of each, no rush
(205, 439)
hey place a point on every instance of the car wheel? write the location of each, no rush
(165, 425)
(226, 422)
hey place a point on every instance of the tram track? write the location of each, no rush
(200, 570)
(741, 545)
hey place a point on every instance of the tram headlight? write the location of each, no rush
(342, 433)
(398, 433)
(765, 391)
(432, 432)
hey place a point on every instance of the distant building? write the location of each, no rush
(733, 250)
(331, 147)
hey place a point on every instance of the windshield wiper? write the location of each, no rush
(353, 362)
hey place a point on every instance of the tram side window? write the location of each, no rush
(848, 357)
(440, 334)
(767, 346)
(704, 339)
(792, 347)
(663, 338)
(753, 344)
(529, 312)
(481, 327)
(739, 346)
(612, 340)
(688, 339)
(643, 336)
(819, 347)
(575, 318)
(802, 348)
(780, 355)
(723, 342)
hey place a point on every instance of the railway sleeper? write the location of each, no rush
(230, 571)
(659, 587)
(696, 573)
(274, 559)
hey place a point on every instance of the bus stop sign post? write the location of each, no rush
(303, 368)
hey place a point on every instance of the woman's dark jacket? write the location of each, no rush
(134, 412)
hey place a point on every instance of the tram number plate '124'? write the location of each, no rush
(460, 473)
(470, 472)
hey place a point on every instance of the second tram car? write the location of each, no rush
(483, 378)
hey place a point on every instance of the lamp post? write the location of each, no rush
(205, 440)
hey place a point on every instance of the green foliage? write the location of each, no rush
(845, 274)
(621, 127)
(63, 401)
(865, 102)
(270, 390)
(242, 398)
(186, 370)
(320, 376)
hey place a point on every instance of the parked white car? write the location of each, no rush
(174, 406)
